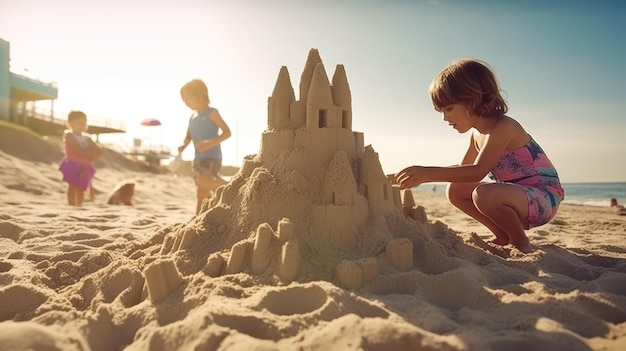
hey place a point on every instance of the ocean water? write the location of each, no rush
(594, 194)
(590, 194)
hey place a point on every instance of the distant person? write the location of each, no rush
(526, 192)
(434, 189)
(620, 209)
(204, 130)
(80, 152)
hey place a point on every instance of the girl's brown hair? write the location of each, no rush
(468, 82)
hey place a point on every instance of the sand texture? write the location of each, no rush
(308, 247)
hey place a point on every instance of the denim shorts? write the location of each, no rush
(209, 166)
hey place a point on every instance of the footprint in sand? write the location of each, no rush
(5, 266)
(10, 230)
(48, 215)
(558, 222)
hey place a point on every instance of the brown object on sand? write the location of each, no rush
(122, 194)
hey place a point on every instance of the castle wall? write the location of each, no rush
(359, 143)
(275, 142)
(326, 142)
(379, 196)
(336, 225)
(297, 114)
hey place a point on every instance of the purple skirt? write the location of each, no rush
(76, 174)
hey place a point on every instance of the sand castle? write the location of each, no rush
(314, 203)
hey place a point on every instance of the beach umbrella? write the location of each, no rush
(150, 122)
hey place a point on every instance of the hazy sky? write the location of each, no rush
(559, 62)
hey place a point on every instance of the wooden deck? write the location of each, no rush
(47, 123)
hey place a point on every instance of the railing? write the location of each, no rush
(160, 151)
(45, 114)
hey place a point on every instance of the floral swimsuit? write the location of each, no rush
(530, 168)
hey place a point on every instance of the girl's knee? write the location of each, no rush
(456, 192)
(452, 191)
(482, 197)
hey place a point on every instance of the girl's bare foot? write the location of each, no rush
(524, 247)
(499, 242)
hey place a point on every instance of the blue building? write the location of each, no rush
(19, 93)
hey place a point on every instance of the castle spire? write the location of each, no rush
(320, 111)
(307, 74)
(342, 97)
(280, 102)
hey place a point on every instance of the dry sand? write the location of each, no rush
(70, 279)
(242, 277)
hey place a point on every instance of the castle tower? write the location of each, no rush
(307, 74)
(374, 184)
(320, 109)
(342, 97)
(325, 110)
(279, 104)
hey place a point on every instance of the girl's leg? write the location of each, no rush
(75, 195)
(80, 196)
(461, 196)
(207, 183)
(506, 205)
(71, 195)
(92, 193)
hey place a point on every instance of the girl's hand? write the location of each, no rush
(392, 179)
(205, 145)
(411, 177)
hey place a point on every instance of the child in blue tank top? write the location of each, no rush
(204, 130)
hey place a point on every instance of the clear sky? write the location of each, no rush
(561, 64)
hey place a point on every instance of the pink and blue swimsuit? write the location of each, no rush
(530, 168)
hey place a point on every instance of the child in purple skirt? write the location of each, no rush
(80, 152)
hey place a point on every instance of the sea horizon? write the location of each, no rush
(597, 194)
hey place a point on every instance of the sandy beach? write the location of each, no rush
(73, 279)
(304, 249)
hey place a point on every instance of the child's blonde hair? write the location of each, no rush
(469, 82)
(74, 115)
(196, 88)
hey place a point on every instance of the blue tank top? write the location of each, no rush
(201, 128)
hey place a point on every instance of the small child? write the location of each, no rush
(204, 130)
(80, 152)
(526, 192)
